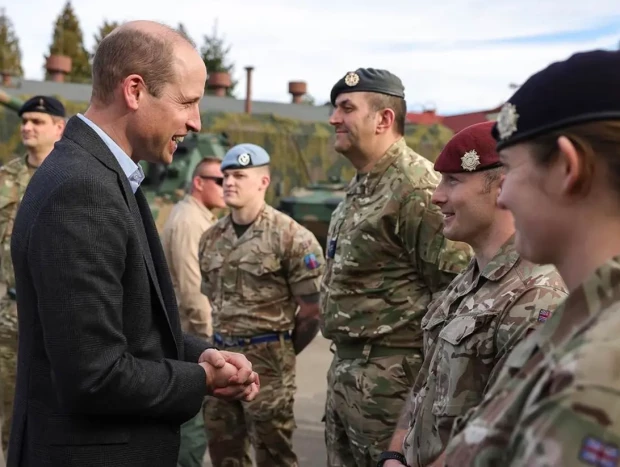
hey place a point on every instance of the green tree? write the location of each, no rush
(214, 53)
(182, 30)
(10, 53)
(106, 28)
(68, 40)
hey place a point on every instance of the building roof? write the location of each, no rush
(81, 93)
(457, 122)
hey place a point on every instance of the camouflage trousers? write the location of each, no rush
(267, 422)
(364, 401)
(8, 366)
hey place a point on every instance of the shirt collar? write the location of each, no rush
(132, 171)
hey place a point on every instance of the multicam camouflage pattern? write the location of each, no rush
(364, 399)
(252, 281)
(555, 400)
(14, 178)
(8, 365)
(467, 332)
(268, 419)
(386, 254)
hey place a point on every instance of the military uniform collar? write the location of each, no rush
(503, 261)
(257, 225)
(367, 183)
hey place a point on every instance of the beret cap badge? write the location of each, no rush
(351, 79)
(507, 120)
(470, 160)
(243, 159)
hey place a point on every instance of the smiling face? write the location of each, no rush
(527, 193)
(468, 202)
(159, 123)
(354, 121)
(40, 130)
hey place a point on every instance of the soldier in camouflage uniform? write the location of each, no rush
(43, 121)
(258, 266)
(386, 258)
(555, 402)
(486, 310)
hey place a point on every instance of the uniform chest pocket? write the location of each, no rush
(211, 268)
(260, 274)
(472, 334)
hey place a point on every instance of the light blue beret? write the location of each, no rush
(244, 156)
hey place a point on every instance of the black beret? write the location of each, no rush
(43, 104)
(368, 80)
(580, 89)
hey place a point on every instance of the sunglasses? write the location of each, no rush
(218, 180)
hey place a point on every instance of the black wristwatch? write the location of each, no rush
(388, 455)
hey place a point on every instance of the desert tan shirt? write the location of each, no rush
(180, 237)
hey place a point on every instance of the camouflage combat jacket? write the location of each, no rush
(467, 331)
(555, 402)
(252, 281)
(386, 254)
(14, 178)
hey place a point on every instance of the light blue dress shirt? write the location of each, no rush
(133, 171)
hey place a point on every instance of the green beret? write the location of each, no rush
(369, 80)
(43, 104)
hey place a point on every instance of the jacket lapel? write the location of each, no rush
(80, 133)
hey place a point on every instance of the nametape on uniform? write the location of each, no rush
(598, 453)
(543, 315)
(311, 261)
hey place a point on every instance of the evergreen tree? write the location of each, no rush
(214, 54)
(182, 30)
(106, 28)
(10, 53)
(68, 40)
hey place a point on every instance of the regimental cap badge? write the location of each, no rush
(351, 79)
(507, 120)
(41, 104)
(470, 160)
(244, 159)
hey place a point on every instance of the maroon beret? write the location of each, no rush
(470, 150)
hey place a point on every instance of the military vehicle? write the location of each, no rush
(165, 185)
(306, 171)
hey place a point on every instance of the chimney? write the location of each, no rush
(297, 89)
(248, 89)
(219, 81)
(58, 66)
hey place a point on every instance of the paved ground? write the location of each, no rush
(312, 367)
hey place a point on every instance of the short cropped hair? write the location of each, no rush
(127, 51)
(379, 102)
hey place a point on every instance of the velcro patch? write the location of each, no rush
(543, 315)
(598, 453)
(311, 261)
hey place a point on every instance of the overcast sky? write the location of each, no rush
(454, 55)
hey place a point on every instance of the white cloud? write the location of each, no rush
(439, 49)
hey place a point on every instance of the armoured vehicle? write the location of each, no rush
(307, 174)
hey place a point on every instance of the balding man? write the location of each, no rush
(105, 374)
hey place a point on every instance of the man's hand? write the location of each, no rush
(229, 375)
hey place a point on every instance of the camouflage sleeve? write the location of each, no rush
(204, 247)
(573, 418)
(304, 262)
(420, 227)
(530, 310)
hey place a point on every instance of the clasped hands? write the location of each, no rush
(229, 375)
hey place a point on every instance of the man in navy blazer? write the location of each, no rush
(105, 375)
